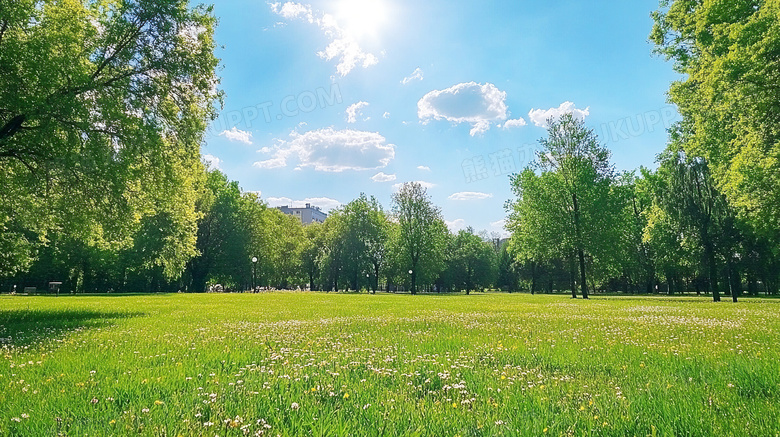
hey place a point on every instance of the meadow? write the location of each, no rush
(319, 364)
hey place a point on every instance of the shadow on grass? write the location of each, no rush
(22, 328)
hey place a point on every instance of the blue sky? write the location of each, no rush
(328, 99)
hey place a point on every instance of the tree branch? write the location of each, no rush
(12, 127)
(121, 46)
(3, 28)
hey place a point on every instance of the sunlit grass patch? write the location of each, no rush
(324, 364)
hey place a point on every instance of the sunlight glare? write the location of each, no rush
(362, 18)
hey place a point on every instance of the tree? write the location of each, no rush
(422, 236)
(103, 106)
(333, 249)
(363, 233)
(507, 277)
(568, 209)
(222, 240)
(376, 237)
(472, 261)
(311, 252)
(691, 199)
(284, 248)
(728, 54)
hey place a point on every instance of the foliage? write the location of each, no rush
(471, 264)
(568, 209)
(422, 233)
(103, 105)
(729, 53)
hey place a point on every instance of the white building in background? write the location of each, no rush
(307, 215)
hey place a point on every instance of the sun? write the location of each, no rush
(362, 18)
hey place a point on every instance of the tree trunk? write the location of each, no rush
(580, 251)
(709, 261)
(581, 255)
(735, 283)
(533, 278)
(572, 278)
(752, 284)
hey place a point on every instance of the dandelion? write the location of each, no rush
(294, 406)
(25, 416)
(159, 402)
(544, 430)
(94, 400)
(112, 422)
(346, 395)
(145, 410)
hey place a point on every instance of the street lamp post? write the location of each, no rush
(254, 272)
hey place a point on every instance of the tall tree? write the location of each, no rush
(311, 252)
(729, 99)
(423, 233)
(222, 239)
(691, 198)
(364, 236)
(103, 106)
(568, 209)
(472, 261)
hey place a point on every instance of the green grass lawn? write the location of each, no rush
(325, 364)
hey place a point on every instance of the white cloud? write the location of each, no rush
(292, 10)
(520, 122)
(386, 115)
(423, 168)
(330, 150)
(355, 110)
(499, 226)
(269, 164)
(417, 74)
(539, 117)
(343, 45)
(479, 105)
(325, 203)
(238, 135)
(426, 185)
(382, 177)
(456, 225)
(212, 162)
(470, 195)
